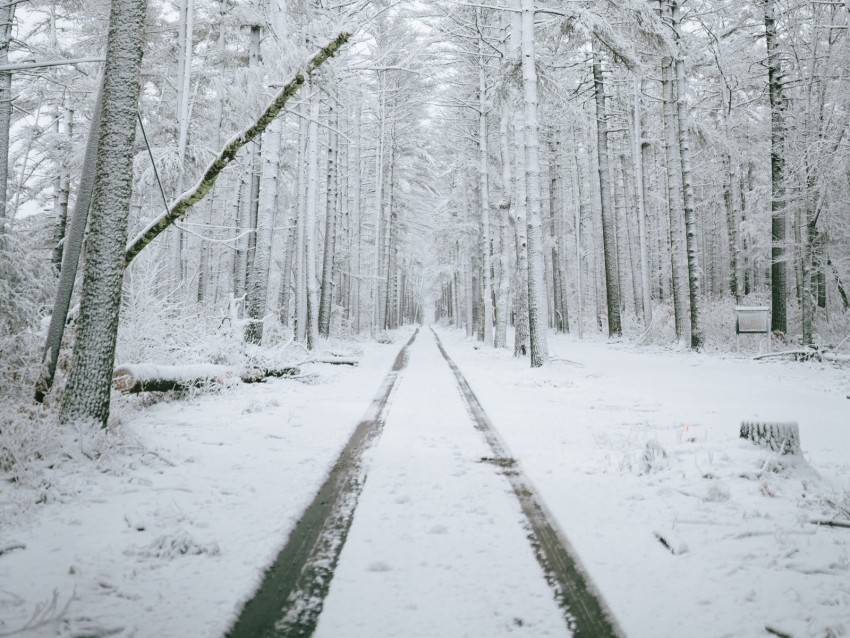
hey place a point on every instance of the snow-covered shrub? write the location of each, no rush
(46, 462)
(26, 288)
(662, 331)
(651, 458)
(385, 337)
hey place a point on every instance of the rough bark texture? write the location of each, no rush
(640, 192)
(500, 339)
(518, 218)
(257, 294)
(86, 397)
(609, 239)
(70, 256)
(326, 301)
(694, 274)
(61, 189)
(484, 185)
(674, 200)
(537, 326)
(203, 186)
(778, 275)
(7, 15)
(310, 225)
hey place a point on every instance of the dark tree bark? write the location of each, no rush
(608, 230)
(86, 396)
(778, 277)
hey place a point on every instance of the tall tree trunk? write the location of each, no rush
(775, 80)
(694, 286)
(608, 228)
(537, 327)
(730, 202)
(328, 261)
(310, 222)
(355, 190)
(185, 29)
(379, 209)
(62, 188)
(301, 228)
(484, 192)
(86, 397)
(640, 192)
(519, 210)
(71, 254)
(674, 200)
(256, 301)
(578, 204)
(500, 339)
(7, 17)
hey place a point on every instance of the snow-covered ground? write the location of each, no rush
(744, 555)
(167, 534)
(437, 546)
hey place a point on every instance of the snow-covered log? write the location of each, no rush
(149, 377)
(779, 437)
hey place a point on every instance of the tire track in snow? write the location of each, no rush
(585, 611)
(291, 596)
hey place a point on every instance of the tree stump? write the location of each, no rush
(779, 437)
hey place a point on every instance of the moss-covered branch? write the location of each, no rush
(203, 186)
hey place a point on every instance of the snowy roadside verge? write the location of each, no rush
(685, 529)
(169, 536)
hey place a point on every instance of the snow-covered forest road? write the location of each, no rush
(439, 544)
(163, 528)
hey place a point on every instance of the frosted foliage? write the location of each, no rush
(25, 288)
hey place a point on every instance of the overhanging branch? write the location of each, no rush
(203, 186)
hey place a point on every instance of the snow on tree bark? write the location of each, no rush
(257, 294)
(310, 222)
(609, 249)
(694, 274)
(484, 196)
(86, 396)
(537, 328)
(775, 85)
(7, 16)
(71, 255)
(674, 199)
(326, 301)
(500, 339)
